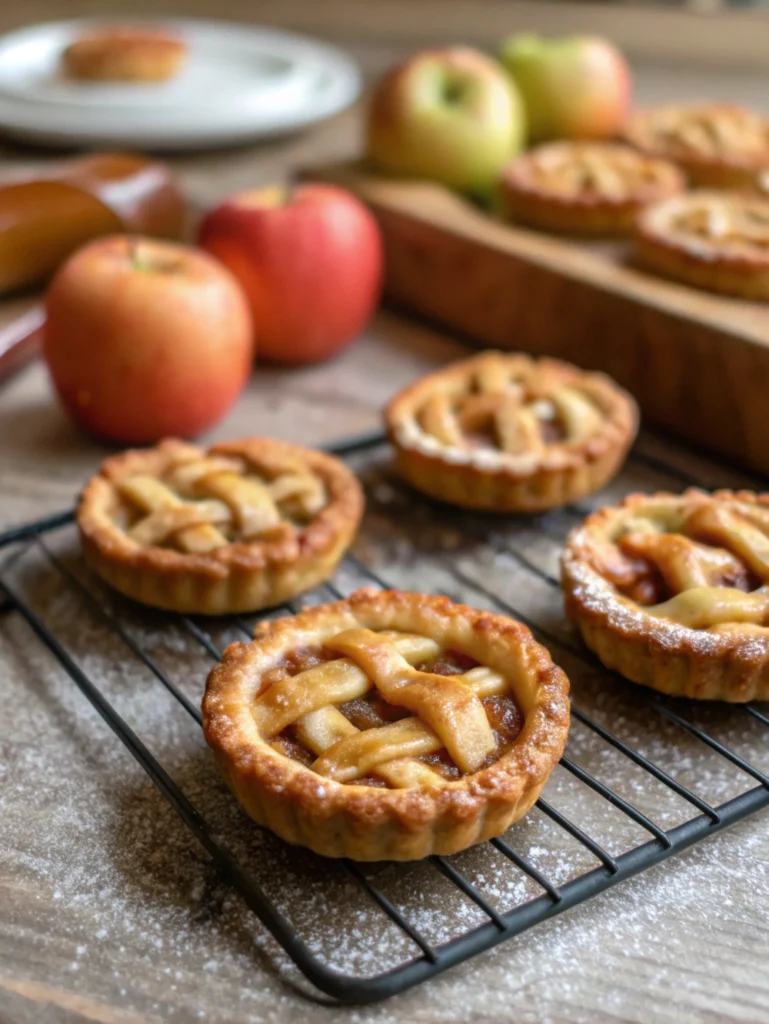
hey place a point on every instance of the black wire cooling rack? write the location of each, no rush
(433, 957)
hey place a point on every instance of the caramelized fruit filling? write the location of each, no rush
(373, 711)
(651, 567)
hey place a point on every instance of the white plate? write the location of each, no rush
(239, 82)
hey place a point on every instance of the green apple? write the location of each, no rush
(575, 87)
(452, 116)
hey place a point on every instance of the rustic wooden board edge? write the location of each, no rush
(587, 262)
(697, 363)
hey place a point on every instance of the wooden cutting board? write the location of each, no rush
(697, 363)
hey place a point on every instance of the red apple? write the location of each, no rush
(576, 87)
(146, 339)
(310, 261)
(451, 116)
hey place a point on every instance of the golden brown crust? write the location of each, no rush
(236, 577)
(124, 54)
(594, 188)
(528, 480)
(717, 145)
(371, 822)
(711, 659)
(712, 240)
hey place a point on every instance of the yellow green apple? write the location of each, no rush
(573, 87)
(452, 116)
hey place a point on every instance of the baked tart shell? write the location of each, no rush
(587, 213)
(655, 652)
(707, 171)
(564, 474)
(239, 577)
(741, 275)
(370, 823)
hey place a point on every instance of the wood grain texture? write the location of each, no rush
(697, 363)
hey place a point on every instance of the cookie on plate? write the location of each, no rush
(124, 54)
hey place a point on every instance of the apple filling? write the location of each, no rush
(708, 550)
(655, 567)
(373, 711)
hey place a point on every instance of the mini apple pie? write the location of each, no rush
(509, 433)
(591, 188)
(387, 726)
(718, 241)
(237, 527)
(718, 145)
(672, 590)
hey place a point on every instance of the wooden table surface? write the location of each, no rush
(98, 922)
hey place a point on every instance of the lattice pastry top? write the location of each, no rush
(714, 240)
(718, 144)
(590, 187)
(507, 431)
(716, 223)
(239, 508)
